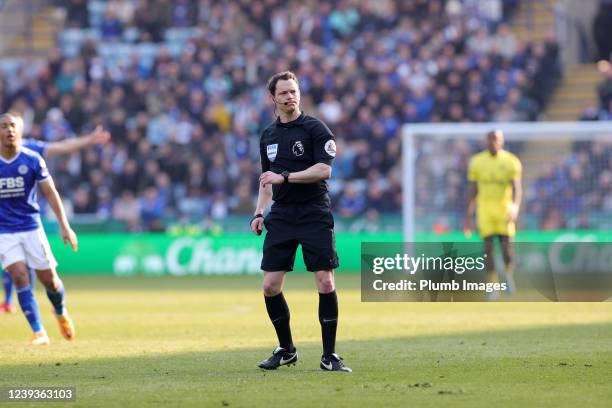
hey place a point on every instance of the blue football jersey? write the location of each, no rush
(38, 146)
(19, 210)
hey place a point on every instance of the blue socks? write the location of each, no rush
(57, 299)
(29, 306)
(7, 282)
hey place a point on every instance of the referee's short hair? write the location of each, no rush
(285, 75)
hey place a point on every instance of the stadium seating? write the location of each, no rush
(195, 92)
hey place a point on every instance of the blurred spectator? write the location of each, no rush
(111, 27)
(604, 89)
(351, 203)
(77, 14)
(127, 209)
(151, 210)
(150, 17)
(55, 127)
(553, 220)
(602, 30)
(184, 13)
(504, 41)
(123, 9)
(82, 202)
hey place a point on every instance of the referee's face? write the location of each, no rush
(287, 96)
(9, 135)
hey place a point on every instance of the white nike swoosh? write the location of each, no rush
(328, 365)
(283, 361)
(329, 320)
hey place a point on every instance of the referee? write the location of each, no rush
(296, 156)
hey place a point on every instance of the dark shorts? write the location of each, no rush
(311, 225)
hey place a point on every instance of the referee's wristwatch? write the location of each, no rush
(285, 175)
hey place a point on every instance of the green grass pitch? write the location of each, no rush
(196, 341)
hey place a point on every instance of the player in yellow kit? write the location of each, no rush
(495, 190)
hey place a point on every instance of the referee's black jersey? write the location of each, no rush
(295, 146)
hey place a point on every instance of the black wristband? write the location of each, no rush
(255, 217)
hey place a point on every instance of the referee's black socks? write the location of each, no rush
(328, 317)
(279, 315)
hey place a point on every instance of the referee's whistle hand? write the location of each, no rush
(257, 225)
(270, 177)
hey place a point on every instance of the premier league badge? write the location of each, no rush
(298, 148)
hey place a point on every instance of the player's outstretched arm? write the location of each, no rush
(263, 201)
(68, 236)
(68, 146)
(469, 208)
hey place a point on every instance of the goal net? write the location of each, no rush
(567, 174)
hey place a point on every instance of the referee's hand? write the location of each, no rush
(257, 225)
(269, 177)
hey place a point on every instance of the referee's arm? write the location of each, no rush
(263, 201)
(263, 198)
(314, 173)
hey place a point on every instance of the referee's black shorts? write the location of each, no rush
(309, 224)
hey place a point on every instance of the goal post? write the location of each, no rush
(566, 170)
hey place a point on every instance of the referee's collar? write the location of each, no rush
(296, 122)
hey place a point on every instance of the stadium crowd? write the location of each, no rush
(576, 192)
(602, 109)
(180, 85)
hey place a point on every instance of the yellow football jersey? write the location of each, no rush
(493, 176)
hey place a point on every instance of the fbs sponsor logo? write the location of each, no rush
(11, 182)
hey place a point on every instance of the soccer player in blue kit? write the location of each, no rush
(23, 241)
(49, 149)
